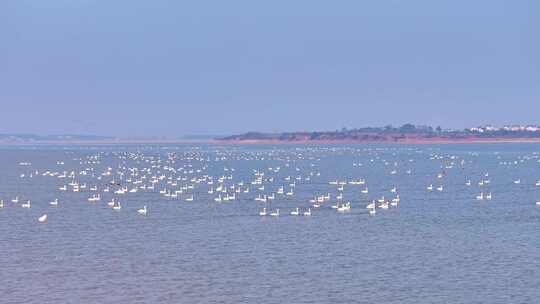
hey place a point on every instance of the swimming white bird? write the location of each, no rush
(94, 198)
(518, 181)
(371, 206)
(307, 213)
(54, 203)
(1, 203)
(395, 201)
(275, 213)
(480, 197)
(344, 207)
(263, 212)
(42, 218)
(537, 203)
(295, 212)
(143, 211)
(430, 187)
(111, 203)
(372, 211)
(440, 188)
(488, 196)
(117, 207)
(27, 204)
(15, 200)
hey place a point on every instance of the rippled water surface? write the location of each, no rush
(435, 247)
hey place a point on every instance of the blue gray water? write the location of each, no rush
(436, 247)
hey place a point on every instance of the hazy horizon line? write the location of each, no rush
(215, 135)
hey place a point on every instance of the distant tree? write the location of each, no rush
(407, 128)
(439, 129)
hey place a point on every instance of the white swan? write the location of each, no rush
(395, 201)
(344, 207)
(143, 211)
(263, 212)
(295, 212)
(27, 204)
(308, 212)
(54, 203)
(275, 213)
(42, 218)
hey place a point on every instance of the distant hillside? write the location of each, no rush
(7, 139)
(28, 138)
(407, 133)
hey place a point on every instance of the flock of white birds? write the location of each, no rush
(187, 177)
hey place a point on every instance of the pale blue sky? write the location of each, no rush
(218, 67)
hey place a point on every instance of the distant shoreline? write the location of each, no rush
(398, 142)
(401, 141)
(103, 142)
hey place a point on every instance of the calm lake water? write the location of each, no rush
(435, 247)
